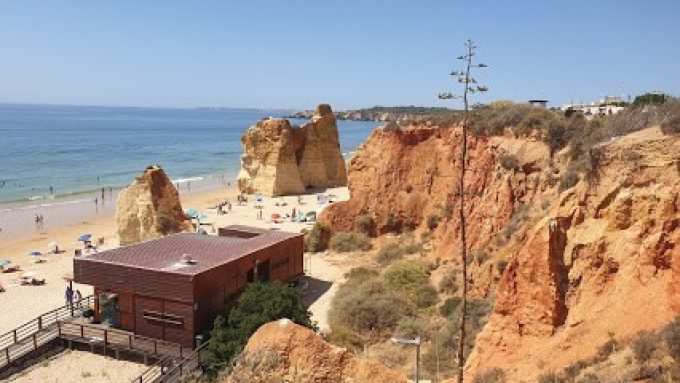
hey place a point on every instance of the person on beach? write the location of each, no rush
(37, 221)
(102, 195)
(69, 296)
(52, 191)
(110, 192)
(78, 298)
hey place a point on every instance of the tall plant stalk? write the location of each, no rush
(464, 77)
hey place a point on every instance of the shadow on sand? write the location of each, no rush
(312, 289)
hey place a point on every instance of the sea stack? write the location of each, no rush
(281, 159)
(149, 208)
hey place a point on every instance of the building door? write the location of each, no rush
(108, 309)
(263, 271)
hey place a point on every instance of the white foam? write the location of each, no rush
(185, 180)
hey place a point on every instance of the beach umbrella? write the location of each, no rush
(85, 237)
(192, 213)
(4, 262)
(35, 253)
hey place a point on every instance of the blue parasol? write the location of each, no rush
(192, 213)
(85, 237)
(35, 253)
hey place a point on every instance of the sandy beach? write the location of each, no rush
(23, 303)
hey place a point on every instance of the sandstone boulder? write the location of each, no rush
(283, 351)
(149, 208)
(282, 159)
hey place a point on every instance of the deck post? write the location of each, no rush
(35, 342)
(59, 328)
(106, 335)
(130, 341)
(82, 331)
(15, 335)
(7, 354)
(40, 323)
(180, 353)
(181, 370)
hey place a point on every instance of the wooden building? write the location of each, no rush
(173, 288)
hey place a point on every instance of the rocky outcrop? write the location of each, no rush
(149, 208)
(402, 175)
(596, 259)
(604, 260)
(285, 351)
(282, 159)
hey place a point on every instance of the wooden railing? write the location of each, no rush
(37, 332)
(171, 371)
(118, 340)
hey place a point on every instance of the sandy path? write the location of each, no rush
(79, 366)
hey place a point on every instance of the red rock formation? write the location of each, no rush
(596, 259)
(603, 261)
(284, 351)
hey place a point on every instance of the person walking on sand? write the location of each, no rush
(96, 204)
(69, 296)
(78, 299)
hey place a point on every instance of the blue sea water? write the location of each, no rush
(80, 149)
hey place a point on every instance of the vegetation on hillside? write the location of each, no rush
(258, 304)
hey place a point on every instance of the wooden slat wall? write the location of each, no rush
(213, 287)
(123, 279)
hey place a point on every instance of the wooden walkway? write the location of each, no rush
(63, 323)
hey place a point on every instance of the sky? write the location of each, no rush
(352, 54)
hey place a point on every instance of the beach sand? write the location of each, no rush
(23, 303)
(79, 366)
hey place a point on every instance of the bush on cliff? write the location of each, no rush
(258, 304)
(389, 253)
(367, 304)
(346, 242)
(365, 224)
(509, 161)
(411, 278)
(317, 239)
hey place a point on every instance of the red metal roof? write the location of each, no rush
(207, 251)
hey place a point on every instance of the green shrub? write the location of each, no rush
(644, 346)
(479, 255)
(589, 378)
(344, 336)
(494, 375)
(509, 161)
(450, 306)
(389, 253)
(258, 304)
(411, 327)
(368, 306)
(346, 242)
(413, 248)
(365, 224)
(359, 275)
(411, 278)
(569, 180)
(550, 377)
(433, 221)
(671, 125)
(672, 336)
(317, 239)
(448, 284)
(501, 265)
(516, 221)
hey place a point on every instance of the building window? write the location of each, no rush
(161, 317)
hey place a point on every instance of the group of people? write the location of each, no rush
(73, 299)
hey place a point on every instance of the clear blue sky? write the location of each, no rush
(295, 54)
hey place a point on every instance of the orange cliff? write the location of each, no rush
(602, 261)
(284, 351)
(595, 259)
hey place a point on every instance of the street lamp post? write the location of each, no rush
(414, 342)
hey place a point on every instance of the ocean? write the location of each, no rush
(74, 151)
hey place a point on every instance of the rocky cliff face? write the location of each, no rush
(282, 159)
(603, 260)
(582, 263)
(284, 351)
(149, 208)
